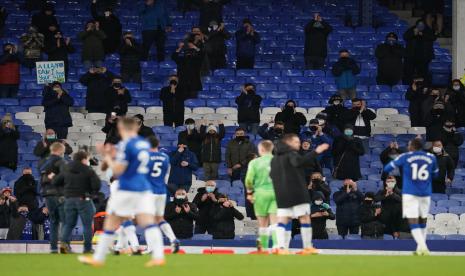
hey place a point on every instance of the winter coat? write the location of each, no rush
(26, 191)
(344, 71)
(205, 208)
(9, 147)
(9, 69)
(313, 165)
(269, 133)
(43, 21)
(246, 43)
(42, 151)
(77, 180)
(96, 86)
(188, 68)
(193, 140)
(216, 43)
(451, 142)
(112, 133)
(182, 223)
(446, 168)
(223, 221)
(287, 173)
(156, 16)
(351, 116)
(57, 109)
(393, 201)
(6, 211)
(316, 38)
(292, 120)
(173, 104)
(416, 99)
(130, 57)
(348, 207)
(458, 100)
(53, 164)
(319, 223)
(210, 11)
(60, 53)
(32, 43)
(318, 140)
(390, 64)
(179, 175)
(145, 131)
(211, 146)
(115, 102)
(237, 152)
(92, 45)
(248, 108)
(346, 157)
(111, 27)
(418, 47)
(371, 224)
(434, 125)
(385, 159)
(335, 115)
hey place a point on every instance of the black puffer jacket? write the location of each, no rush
(371, 224)
(211, 146)
(248, 108)
(77, 180)
(348, 207)
(182, 223)
(96, 86)
(53, 164)
(316, 36)
(223, 221)
(205, 207)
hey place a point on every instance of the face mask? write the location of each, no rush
(51, 137)
(337, 102)
(209, 189)
(316, 181)
(190, 126)
(321, 122)
(289, 109)
(368, 201)
(391, 42)
(117, 85)
(313, 128)
(173, 82)
(356, 107)
(448, 127)
(240, 138)
(390, 184)
(456, 87)
(437, 111)
(278, 130)
(250, 91)
(437, 150)
(348, 132)
(318, 202)
(393, 156)
(180, 197)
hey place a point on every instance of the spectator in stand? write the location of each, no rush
(248, 108)
(246, 42)
(9, 71)
(117, 97)
(348, 202)
(211, 149)
(26, 191)
(96, 80)
(216, 45)
(3, 17)
(387, 155)
(331, 130)
(181, 214)
(391, 206)
(191, 138)
(316, 42)
(434, 13)
(32, 44)
(110, 26)
(210, 11)
(45, 21)
(318, 186)
(173, 103)
(111, 130)
(58, 48)
(6, 212)
(93, 51)
(451, 140)
(199, 40)
(130, 53)
(56, 102)
(320, 212)
(419, 51)
(347, 150)
(183, 164)
(457, 94)
(446, 168)
(360, 117)
(317, 136)
(9, 137)
(344, 72)
(144, 131)
(313, 164)
(237, 151)
(416, 95)
(336, 111)
(435, 120)
(390, 56)
(80, 183)
(370, 216)
(42, 148)
(188, 58)
(223, 215)
(33, 5)
(156, 23)
(205, 199)
(292, 119)
(274, 133)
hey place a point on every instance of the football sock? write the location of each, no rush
(154, 240)
(264, 235)
(423, 231)
(281, 235)
(103, 246)
(418, 236)
(273, 235)
(165, 227)
(121, 240)
(288, 235)
(130, 233)
(306, 231)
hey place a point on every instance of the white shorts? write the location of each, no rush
(160, 203)
(415, 206)
(128, 204)
(294, 211)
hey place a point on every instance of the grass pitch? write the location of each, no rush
(238, 265)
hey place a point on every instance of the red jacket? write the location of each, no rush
(9, 72)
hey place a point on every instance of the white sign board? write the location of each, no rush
(50, 71)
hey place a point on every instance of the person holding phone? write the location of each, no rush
(9, 137)
(56, 102)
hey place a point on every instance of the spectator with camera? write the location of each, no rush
(274, 133)
(446, 168)
(316, 134)
(344, 72)
(25, 190)
(191, 138)
(370, 217)
(435, 120)
(32, 44)
(390, 153)
(451, 140)
(97, 80)
(183, 164)
(79, 183)
(144, 131)
(237, 151)
(215, 46)
(348, 202)
(320, 213)
(117, 97)
(93, 51)
(391, 206)
(211, 149)
(56, 102)
(58, 48)
(45, 21)
(390, 56)
(457, 95)
(416, 94)
(316, 42)
(313, 163)
(246, 42)
(181, 214)
(346, 151)
(328, 128)
(317, 185)
(6, 211)
(189, 59)
(110, 129)
(9, 137)
(248, 108)
(210, 10)
(293, 120)
(130, 53)
(223, 215)
(42, 148)
(205, 199)
(9, 71)
(173, 103)
(336, 111)
(110, 26)
(360, 117)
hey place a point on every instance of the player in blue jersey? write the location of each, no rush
(418, 170)
(159, 166)
(129, 163)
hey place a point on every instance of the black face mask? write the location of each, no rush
(278, 130)
(173, 82)
(240, 138)
(289, 109)
(316, 181)
(117, 85)
(437, 111)
(313, 128)
(250, 91)
(368, 202)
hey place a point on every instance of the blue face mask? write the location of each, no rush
(209, 189)
(348, 132)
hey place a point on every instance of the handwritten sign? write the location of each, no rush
(50, 71)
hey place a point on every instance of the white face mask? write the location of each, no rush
(390, 184)
(456, 87)
(318, 202)
(190, 126)
(336, 102)
(437, 149)
(180, 197)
